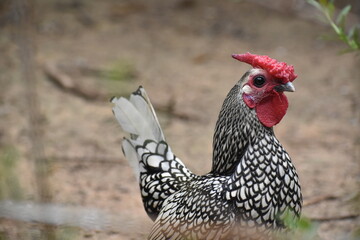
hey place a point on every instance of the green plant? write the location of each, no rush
(66, 233)
(9, 183)
(338, 23)
(299, 228)
(121, 70)
(119, 78)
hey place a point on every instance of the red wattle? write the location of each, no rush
(272, 109)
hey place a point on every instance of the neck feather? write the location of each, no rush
(237, 126)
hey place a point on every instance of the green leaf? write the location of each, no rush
(315, 4)
(356, 38)
(331, 9)
(351, 32)
(340, 20)
(324, 3)
(353, 37)
(356, 33)
(304, 223)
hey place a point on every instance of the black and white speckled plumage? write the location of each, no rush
(251, 184)
(235, 128)
(163, 175)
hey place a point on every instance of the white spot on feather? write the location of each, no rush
(287, 180)
(242, 193)
(281, 171)
(233, 193)
(267, 216)
(154, 161)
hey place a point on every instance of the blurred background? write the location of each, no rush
(62, 172)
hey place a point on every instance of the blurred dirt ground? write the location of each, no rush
(179, 50)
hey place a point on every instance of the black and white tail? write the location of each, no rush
(159, 172)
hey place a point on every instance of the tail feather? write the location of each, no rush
(137, 116)
(130, 119)
(159, 172)
(142, 102)
(132, 156)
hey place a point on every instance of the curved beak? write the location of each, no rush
(288, 87)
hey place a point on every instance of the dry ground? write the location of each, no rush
(180, 51)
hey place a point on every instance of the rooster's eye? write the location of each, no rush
(259, 81)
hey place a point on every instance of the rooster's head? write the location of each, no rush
(263, 87)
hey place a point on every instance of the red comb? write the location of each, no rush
(277, 69)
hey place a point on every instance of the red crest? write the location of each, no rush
(279, 70)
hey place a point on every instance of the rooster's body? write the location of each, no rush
(252, 181)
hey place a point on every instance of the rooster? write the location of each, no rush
(252, 182)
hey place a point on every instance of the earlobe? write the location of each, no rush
(249, 100)
(247, 89)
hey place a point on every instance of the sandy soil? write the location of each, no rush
(180, 51)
